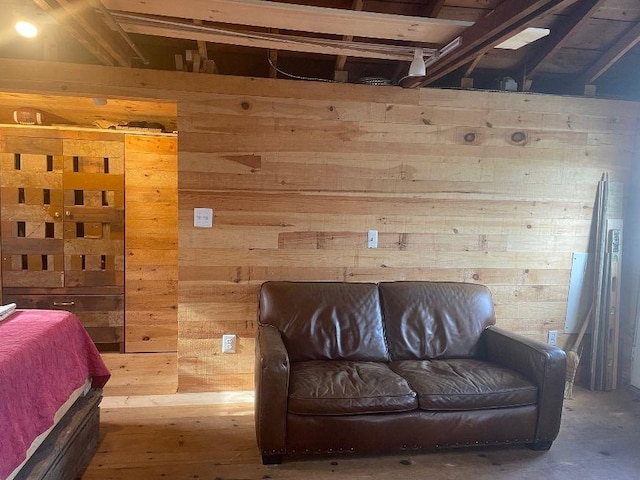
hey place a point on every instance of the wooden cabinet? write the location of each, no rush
(62, 230)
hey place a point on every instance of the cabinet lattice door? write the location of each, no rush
(62, 205)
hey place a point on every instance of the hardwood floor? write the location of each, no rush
(150, 431)
(211, 436)
(162, 437)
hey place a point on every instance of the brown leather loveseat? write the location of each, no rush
(397, 367)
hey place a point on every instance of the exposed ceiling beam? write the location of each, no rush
(432, 8)
(613, 54)
(472, 66)
(342, 59)
(507, 19)
(186, 30)
(89, 20)
(285, 16)
(76, 31)
(113, 25)
(273, 63)
(202, 45)
(483, 51)
(273, 58)
(561, 31)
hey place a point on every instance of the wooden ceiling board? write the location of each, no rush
(484, 4)
(598, 34)
(510, 60)
(622, 10)
(613, 54)
(406, 7)
(627, 71)
(461, 13)
(570, 61)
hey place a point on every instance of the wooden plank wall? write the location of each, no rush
(151, 278)
(488, 187)
(484, 187)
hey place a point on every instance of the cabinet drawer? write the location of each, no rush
(102, 315)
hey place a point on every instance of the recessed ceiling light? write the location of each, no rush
(26, 29)
(523, 38)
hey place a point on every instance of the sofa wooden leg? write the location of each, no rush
(272, 459)
(540, 446)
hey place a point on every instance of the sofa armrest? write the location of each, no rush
(271, 391)
(543, 364)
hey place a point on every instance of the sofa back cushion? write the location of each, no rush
(324, 320)
(432, 320)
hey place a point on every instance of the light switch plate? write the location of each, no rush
(203, 217)
(372, 239)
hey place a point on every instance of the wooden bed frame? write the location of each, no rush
(69, 447)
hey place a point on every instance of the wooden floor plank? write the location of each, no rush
(211, 436)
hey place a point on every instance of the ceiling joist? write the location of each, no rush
(113, 25)
(342, 59)
(285, 16)
(609, 26)
(76, 31)
(153, 26)
(82, 22)
(612, 55)
(89, 20)
(472, 66)
(507, 19)
(433, 7)
(560, 33)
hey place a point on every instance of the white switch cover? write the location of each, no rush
(203, 217)
(372, 239)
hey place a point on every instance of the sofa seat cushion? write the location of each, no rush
(340, 387)
(465, 384)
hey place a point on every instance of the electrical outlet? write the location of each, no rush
(228, 344)
(552, 338)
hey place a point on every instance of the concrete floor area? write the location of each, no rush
(599, 439)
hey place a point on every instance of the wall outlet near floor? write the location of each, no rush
(552, 338)
(228, 344)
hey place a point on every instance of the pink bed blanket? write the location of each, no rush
(45, 355)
